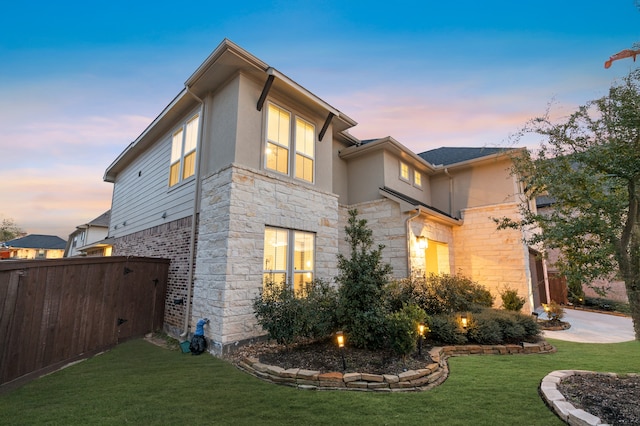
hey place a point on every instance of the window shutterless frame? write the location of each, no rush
(290, 144)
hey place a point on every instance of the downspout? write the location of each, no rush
(407, 224)
(196, 208)
(446, 172)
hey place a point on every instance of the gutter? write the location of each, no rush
(446, 172)
(196, 209)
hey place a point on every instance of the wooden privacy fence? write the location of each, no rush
(56, 311)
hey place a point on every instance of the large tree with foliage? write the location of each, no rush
(590, 165)
(9, 230)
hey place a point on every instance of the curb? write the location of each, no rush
(412, 380)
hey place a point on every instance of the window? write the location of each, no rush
(417, 178)
(183, 151)
(404, 171)
(280, 130)
(284, 265)
(437, 258)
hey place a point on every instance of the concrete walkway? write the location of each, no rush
(591, 327)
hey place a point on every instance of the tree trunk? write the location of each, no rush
(634, 302)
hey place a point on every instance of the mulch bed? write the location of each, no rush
(325, 356)
(616, 400)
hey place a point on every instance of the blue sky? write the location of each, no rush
(80, 81)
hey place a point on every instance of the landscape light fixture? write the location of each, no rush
(422, 329)
(340, 341)
(464, 321)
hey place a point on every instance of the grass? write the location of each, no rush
(140, 383)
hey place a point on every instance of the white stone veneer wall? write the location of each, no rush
(491, 257)
(389, 228)
(237, 204)
(387, 223)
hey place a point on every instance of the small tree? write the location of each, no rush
(9, 230)
(511, 301)
(362, 277)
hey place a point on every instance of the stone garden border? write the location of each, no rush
(563, 408)
(412, 380)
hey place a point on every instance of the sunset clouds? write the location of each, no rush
(77, 86)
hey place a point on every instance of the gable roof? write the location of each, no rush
(408, 203)
(102, 220)
(451, 155)
(38, 241)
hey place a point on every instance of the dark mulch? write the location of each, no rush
(324, 356)
(616, 400)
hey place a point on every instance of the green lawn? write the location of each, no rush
(139, 383)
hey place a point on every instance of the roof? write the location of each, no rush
(227, 60)
(102, 220)
(451, 155)
(415, 203)
(37, 241)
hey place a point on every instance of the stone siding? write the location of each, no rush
(388, 225)
(169, 241)
(493, 258)
(237, 204)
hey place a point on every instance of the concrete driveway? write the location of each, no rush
(591, 327)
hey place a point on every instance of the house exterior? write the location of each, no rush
(247, 175)
(34, 246)
(89, 238)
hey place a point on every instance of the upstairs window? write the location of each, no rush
(404, 171)
(289, 258)
(283, 134)
(183, 151)
(417, 178)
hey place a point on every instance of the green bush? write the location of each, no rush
(402, 329)
(288, 317)
(484, 330)
(439, 294)
(511, 301)
(361, 308)
(445, 330)
(487, 327)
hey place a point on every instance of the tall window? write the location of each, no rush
(289, 257)
(404, 171)
(437, 258)
(417, 178)
(283, 133)
(183, 151)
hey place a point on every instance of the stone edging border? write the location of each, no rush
(563, 408)
(412, 380)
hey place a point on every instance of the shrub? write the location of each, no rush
(287, 316)
(402, 329)
(511, 301)
(361, 309)
(487, 327)
(439, 294)
(445, 330)
(484, 330)
(554, 311)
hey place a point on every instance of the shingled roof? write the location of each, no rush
(37, 241)
(451, 155)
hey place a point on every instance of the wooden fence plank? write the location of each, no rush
(58, 310)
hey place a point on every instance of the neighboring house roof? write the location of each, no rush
(37, 241)
(446, 156)
(102, 220)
